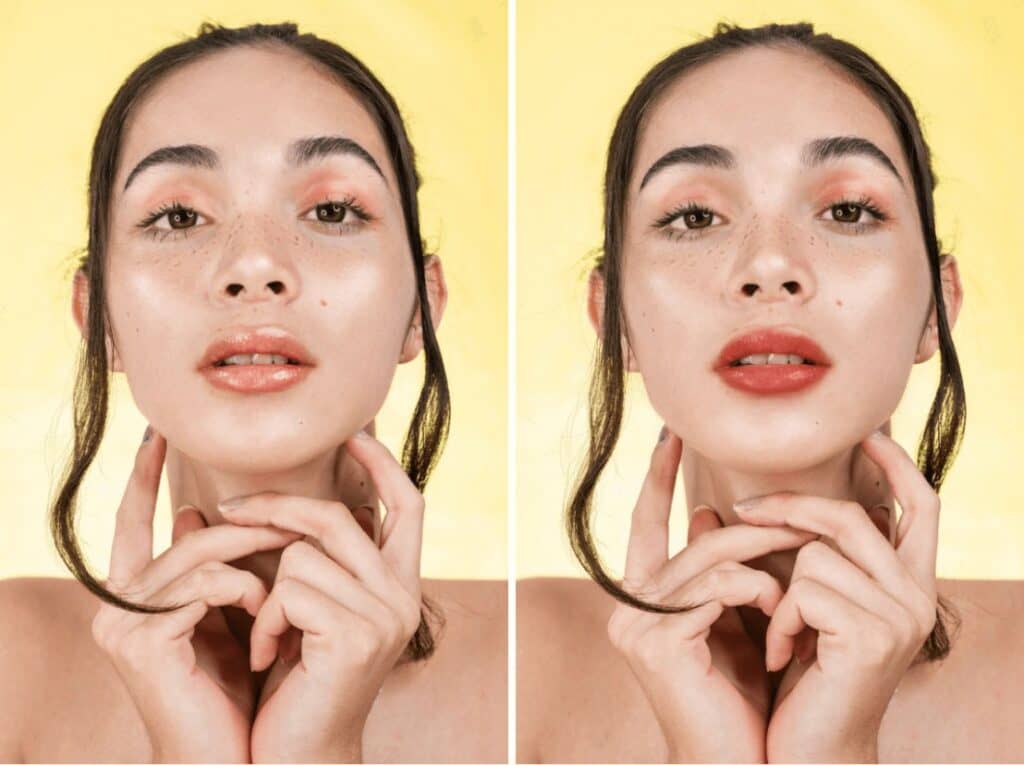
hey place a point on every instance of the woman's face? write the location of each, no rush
(260, 246)
(777, 237)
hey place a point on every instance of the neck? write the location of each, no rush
(847, 476)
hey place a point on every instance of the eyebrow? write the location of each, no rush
(300, 152)
(814, 153)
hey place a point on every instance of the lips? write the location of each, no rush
(767, 379)
(256, 378)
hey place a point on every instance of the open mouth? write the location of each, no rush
(256, 359)
(771, 359)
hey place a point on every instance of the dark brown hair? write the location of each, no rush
(429, 426)
(946, 419)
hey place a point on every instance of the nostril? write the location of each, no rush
(276, 287)
(792, 287)
(234, 289)
(749, 289)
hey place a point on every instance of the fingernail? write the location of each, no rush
(876, 435)
(227, 505)
(148, 434)
(663, 434)
(747, 504)
(362, 434)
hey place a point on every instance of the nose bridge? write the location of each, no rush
(771, 265)
(256, 262)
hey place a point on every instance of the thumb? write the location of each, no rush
(186, 519)
(703, 520)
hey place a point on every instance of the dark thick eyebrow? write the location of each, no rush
(814, 153)
(824, 149)
(309, 149)
(190, 155)
(299, 152)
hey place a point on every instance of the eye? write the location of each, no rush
(849, 213)
(177, 216)
(339, 215)
(687, 221)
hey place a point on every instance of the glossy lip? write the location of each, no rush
(765, 379)
(256, 378)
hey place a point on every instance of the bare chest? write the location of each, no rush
(93, 719)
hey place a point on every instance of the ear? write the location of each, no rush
(952, 297)
(437, 298)
(80, 313)
(595, 311)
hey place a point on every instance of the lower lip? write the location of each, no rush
(256, 378)
(768, 379)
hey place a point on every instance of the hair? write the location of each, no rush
(428, 428)
(944, 429)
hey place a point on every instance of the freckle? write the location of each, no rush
(323, 302)
(839, 302)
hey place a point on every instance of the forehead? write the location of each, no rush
(763, 104)
(247, 103)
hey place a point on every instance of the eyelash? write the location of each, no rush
(864, 202)
(349, 203)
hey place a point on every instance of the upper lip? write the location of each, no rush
(771, 340)
(248, 340)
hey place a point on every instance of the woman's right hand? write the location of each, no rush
(194, 710)
(702, 674)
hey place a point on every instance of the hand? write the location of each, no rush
(872, 606)
(356, 606)
(185, 672)
(700, 671)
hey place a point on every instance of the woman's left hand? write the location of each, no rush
(872, 606)
(356, 606)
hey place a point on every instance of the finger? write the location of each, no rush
(738, 543)
(132, 548)
(846, 523)
(917, 536)
(704, 519)
(294, 603)
(402, 533)
(732, 584)
(215, 584)
(647, 549)
(808, 603)
(186, 519)
(329, 522)
(868, 481)
(881, 516)
(819, 562)
(223, 543)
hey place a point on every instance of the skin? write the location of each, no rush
(863, 587)
(327, 594)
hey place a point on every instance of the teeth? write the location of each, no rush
(771, 358)
(254, 358)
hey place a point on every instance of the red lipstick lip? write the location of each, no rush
(770, 379)
(770, 340)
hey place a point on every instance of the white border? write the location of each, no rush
(510, 334)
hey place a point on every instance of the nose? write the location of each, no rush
(255, 269)
(770, 270)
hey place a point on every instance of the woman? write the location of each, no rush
(250, 266)
(768, 201)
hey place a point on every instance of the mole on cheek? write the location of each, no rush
(839, 302)
(323, 302)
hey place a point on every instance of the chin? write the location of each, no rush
(764, 450)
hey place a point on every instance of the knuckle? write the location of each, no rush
(293, 554)
(647, 651)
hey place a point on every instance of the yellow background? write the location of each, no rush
(962, 65)
(60, 64)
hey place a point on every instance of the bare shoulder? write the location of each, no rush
(44, 630)
(978, 686)
(577, 698)
(473, 618)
